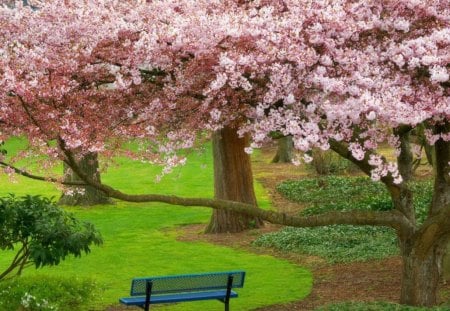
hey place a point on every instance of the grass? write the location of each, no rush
(141, 239)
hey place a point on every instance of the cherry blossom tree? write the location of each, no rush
(361, 74)
(334, 74)
(154, 83)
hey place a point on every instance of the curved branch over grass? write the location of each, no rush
(392, 219)
(41, 178)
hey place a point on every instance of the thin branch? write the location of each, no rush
(41, 178)
(342, 149)
(15, 262)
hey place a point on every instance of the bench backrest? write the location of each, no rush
(187, 282)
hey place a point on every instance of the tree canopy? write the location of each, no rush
(334, 74)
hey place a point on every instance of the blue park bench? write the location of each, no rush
(186, 287)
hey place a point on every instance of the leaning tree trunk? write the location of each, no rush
(233, 180)
(84, 195)
(284, 150)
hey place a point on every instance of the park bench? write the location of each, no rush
(186, 287)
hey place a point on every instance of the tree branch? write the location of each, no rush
(435, 229)
(441, 167)
(392, 219)
(342, 149)
(41, 178)
(401, 195)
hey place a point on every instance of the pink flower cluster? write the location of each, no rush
(97, 73)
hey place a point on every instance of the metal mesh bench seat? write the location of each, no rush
(186, 287)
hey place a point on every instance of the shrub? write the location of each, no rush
(44, 293)
(41, 233)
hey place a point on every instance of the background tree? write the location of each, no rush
(83, 195)
(285, 150)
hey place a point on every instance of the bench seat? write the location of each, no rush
(146, 291)
(207, 295)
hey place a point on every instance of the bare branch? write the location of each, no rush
(41, 178)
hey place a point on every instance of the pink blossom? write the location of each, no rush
(439, 74)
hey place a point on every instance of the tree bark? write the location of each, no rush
(420, 280)
(84, 195)
(233, 180)
(441, 167)
(423, 251)
(284, 150)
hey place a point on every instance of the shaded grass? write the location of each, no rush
(140, 239)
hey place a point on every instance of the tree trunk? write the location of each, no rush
(421, 276)
(233, 180)
(83, 195)
(284, 150)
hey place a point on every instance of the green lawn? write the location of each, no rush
(140, 239)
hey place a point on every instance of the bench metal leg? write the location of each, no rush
(227, 298)
(148, 293)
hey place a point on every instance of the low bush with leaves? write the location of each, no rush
(342, 243)
(41, 233)
(45, 293)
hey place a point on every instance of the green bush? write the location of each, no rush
(339, 243)
(44, 293)
(41, 233)
(375, 306)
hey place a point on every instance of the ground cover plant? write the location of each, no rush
(375, 306)
(337, 243)
(342, 243)
(344, 193)
(141, 239)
